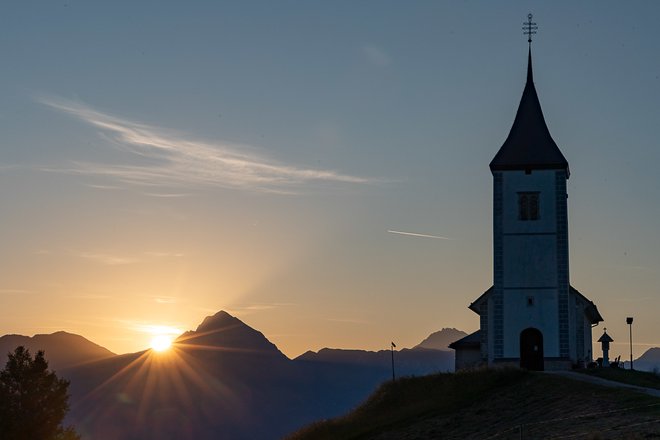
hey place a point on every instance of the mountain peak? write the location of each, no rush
(218, 321)
(440, 340)
(229, 334)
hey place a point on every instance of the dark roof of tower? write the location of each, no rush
(529, 144)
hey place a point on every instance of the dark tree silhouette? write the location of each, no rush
(33, 400)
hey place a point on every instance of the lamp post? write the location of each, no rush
(629, 321)
(392, 349)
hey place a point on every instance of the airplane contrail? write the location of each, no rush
(414, 234)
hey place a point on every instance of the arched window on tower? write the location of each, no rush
(528, 206)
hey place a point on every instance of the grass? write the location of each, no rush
(630, 377)
(395, 404)
(487, 403)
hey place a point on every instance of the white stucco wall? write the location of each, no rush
(530, 263)
(542, 315)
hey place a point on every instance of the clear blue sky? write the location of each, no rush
(161, 160)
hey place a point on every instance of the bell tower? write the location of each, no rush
(530, 236)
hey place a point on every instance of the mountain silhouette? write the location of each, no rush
(225, 332)
(440, 340)
(648, 361)
(407, 362)
(432, 355)
(222, 380)
(62, 349)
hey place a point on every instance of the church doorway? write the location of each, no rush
(531, 349)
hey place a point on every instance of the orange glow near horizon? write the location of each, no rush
(176, 377)
(161, 336)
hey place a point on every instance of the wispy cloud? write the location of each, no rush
(165, 254)
(153, 329)
(107, 259)
(171, 159)
(415, 234)
(246, 309)
(109, 187)
(165, 299)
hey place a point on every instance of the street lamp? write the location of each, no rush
(629, 321)
(392, 347)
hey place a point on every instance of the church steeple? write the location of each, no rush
(530, 76)
(531, 315)
(529, 145)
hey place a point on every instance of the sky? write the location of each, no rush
(164, 160)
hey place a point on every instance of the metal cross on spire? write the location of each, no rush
(529, 28)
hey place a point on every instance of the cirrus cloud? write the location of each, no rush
(170, 159)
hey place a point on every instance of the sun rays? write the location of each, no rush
(173, 374)
(160, 343)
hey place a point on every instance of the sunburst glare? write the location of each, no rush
(161, 342)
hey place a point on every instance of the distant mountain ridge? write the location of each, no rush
(222, 380)
(432, 355)
(648, 361)
(407, 362)
(440, 340)
(62, 349)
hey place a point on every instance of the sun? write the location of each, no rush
(161, 343)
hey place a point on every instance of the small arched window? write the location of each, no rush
(528, 206)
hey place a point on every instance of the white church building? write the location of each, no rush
(531, 317)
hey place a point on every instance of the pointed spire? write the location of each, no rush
(529, 145)
(530, 76)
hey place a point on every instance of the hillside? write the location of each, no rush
(493, 404)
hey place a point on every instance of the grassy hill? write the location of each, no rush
(494, 404)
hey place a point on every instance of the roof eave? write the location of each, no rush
(473, 340)
(524, 167)
(590, 309)
(475, 304)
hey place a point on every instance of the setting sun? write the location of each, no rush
(161, 342)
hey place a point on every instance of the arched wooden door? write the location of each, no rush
(531, 349)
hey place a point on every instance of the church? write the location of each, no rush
(531, 317)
